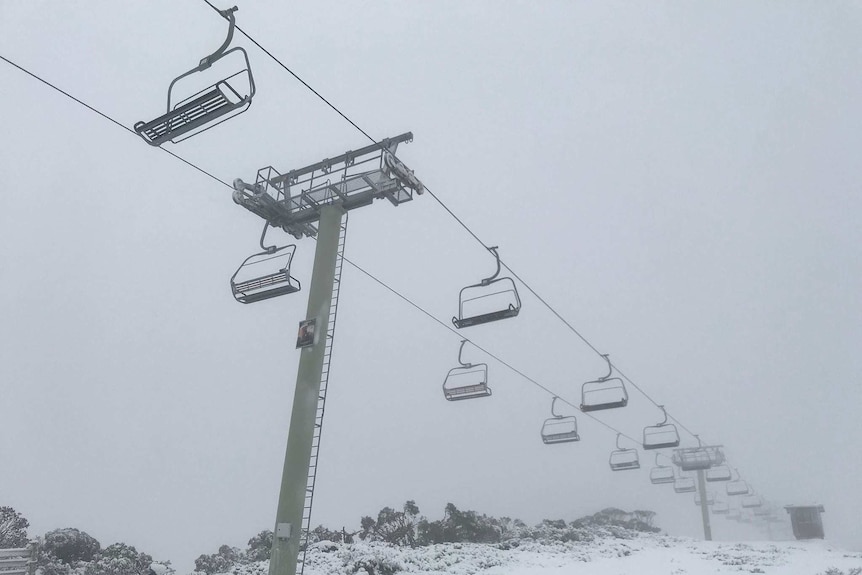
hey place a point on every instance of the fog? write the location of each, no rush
(679, 182)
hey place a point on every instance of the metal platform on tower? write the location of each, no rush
(292, 201)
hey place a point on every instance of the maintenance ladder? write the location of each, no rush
(321, 400)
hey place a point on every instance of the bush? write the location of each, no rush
(70, 545)
(119, 559)
(13, 529)
(396, 527)
(220, 562)
(260, 546)
(460, 526)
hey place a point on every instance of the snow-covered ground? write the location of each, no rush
(644, 554)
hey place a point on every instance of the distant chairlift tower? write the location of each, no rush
(312, 202)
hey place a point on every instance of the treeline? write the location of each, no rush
(407, 527)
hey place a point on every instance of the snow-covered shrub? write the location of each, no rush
(70, 546)
(119, 559)
(220, 562)
(13, 529)
(259, 546)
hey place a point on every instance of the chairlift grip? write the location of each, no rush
(610, 367)
(460, 351)
(665, 417)
(487, 281)
(268, 249)
(554, 413)
(207, 61)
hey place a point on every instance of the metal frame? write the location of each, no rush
(471, 391)
(507, 286)
(559, 428)
(696, 458)
(199, 112)
(354, 179)
(270, 285)
(624, 459)
(661, 435)
(602, 387)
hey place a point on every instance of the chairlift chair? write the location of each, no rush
(661, 435)
(721, 508)
(190, 115)
(265, 275)
(710, 498)
(624, 459)
(604, 393)
(737, 486)
(661, 473)
(559, 428)
(491, 299)
(719, 473)
(751, 501)
(684, 484)
(467, 381)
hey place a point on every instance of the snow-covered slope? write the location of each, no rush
(643, 554)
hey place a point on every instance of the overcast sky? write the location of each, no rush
(681, 181)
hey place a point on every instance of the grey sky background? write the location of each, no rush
(680, 180)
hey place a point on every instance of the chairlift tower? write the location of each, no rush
(700, 459)
(313, 202)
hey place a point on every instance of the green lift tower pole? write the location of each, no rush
(291, 499)
(704, 505)
(312, 202)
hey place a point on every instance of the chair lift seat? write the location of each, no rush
(710, 498)
(719, 473)
(603, 394)
(191, 115)
(485, 302)
(721, 508)
(751, 501)
(268, 285)
(684, 485)
(660, 436)
(624, 459)
(466, 382)
(477, 318)
(738, 487)
(560, 430)
(205, 108)
(661, 474)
